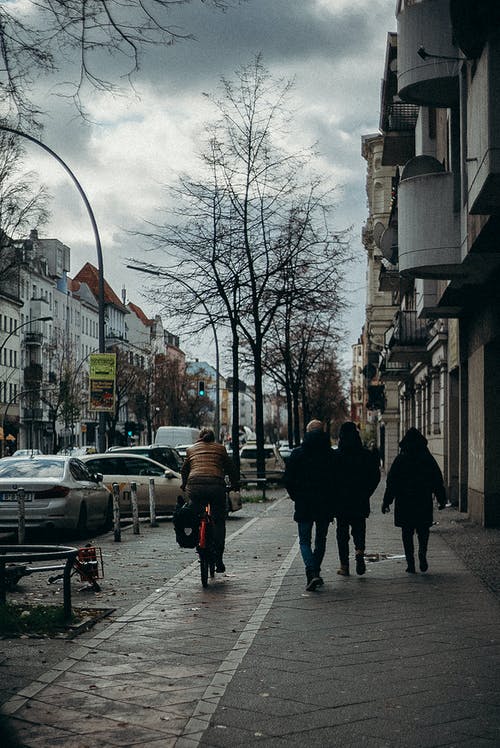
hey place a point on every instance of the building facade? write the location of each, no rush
(440, 135)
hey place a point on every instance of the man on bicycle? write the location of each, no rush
(203, 478)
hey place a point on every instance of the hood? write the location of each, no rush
(413, 440)
(349, 437)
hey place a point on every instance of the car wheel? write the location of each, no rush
(108, 521)
(81, 525)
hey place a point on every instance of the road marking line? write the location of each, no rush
(200, 720)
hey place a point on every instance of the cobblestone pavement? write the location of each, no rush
(385, 659)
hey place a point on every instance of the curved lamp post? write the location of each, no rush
(100, 299)
(2, 346)
(197, 296)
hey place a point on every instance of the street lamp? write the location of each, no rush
(97, 239)
(200, 299)
(2, 346)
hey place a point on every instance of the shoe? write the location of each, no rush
(344, 570)
(423, 562)
(360, 564)
(320, 581)
(313, 583)
(220, 568)
(410, 569)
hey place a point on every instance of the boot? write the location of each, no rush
(344, 570)
(422, 557)
(313, 580)
(360, 563)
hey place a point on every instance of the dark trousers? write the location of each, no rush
(407, 533)
(201, 494)
(357, 528)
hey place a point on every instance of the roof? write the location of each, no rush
(139, 313)
(89, 274)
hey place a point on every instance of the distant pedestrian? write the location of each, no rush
(309, 482)
(413, 479)
(357, 474)
(203, 472)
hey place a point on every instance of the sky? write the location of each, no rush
(135, 144)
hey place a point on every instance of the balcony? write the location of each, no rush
(391, 371)
(429, 300)
(428, 82)
(33, 338)
(406, 340)
(428, 226)
(483, 132)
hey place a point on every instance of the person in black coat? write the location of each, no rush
(413, 479)
(309, 482)
(358, 475)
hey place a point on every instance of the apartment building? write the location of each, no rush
(440, 133)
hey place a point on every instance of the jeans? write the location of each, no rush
(313, 558)
(357, 526)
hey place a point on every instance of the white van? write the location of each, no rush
(173, 435)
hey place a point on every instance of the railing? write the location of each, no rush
(409, 329)
(33, 338)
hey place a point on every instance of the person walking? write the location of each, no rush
(358, 474)
(413, 479)
(203, 478)
(309, 482)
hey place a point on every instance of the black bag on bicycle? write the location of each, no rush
(186, 522)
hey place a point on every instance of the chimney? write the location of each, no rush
(124, 296)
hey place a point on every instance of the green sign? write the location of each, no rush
(103, 366)
(102, 380)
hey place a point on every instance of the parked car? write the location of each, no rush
(182, 449)
(125, 469)
(27, 452)
(285, 452)
(60, 492)
(274, 465)
(167, 456)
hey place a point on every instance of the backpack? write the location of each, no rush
(186, 523)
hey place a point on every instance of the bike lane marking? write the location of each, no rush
(200, 720)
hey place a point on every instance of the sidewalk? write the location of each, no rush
(386, 659)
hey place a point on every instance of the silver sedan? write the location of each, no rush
(59, 492)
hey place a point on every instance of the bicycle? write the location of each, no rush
(206, 548)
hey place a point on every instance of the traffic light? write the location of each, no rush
(201, 388)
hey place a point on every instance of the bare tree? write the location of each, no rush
(38, 37)
(23, 205)
(249, 223)
(325, 396)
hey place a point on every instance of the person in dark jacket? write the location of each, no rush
(413, 479)
(358, 475)
(309, 482)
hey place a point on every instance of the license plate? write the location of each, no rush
(12, 496)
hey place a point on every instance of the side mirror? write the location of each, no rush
(169, 474)
(98, 477)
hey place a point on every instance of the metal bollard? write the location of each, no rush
(116, 513)
(152, 504)
(135, 508)
(21, 527)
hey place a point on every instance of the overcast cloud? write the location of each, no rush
(333, 48)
